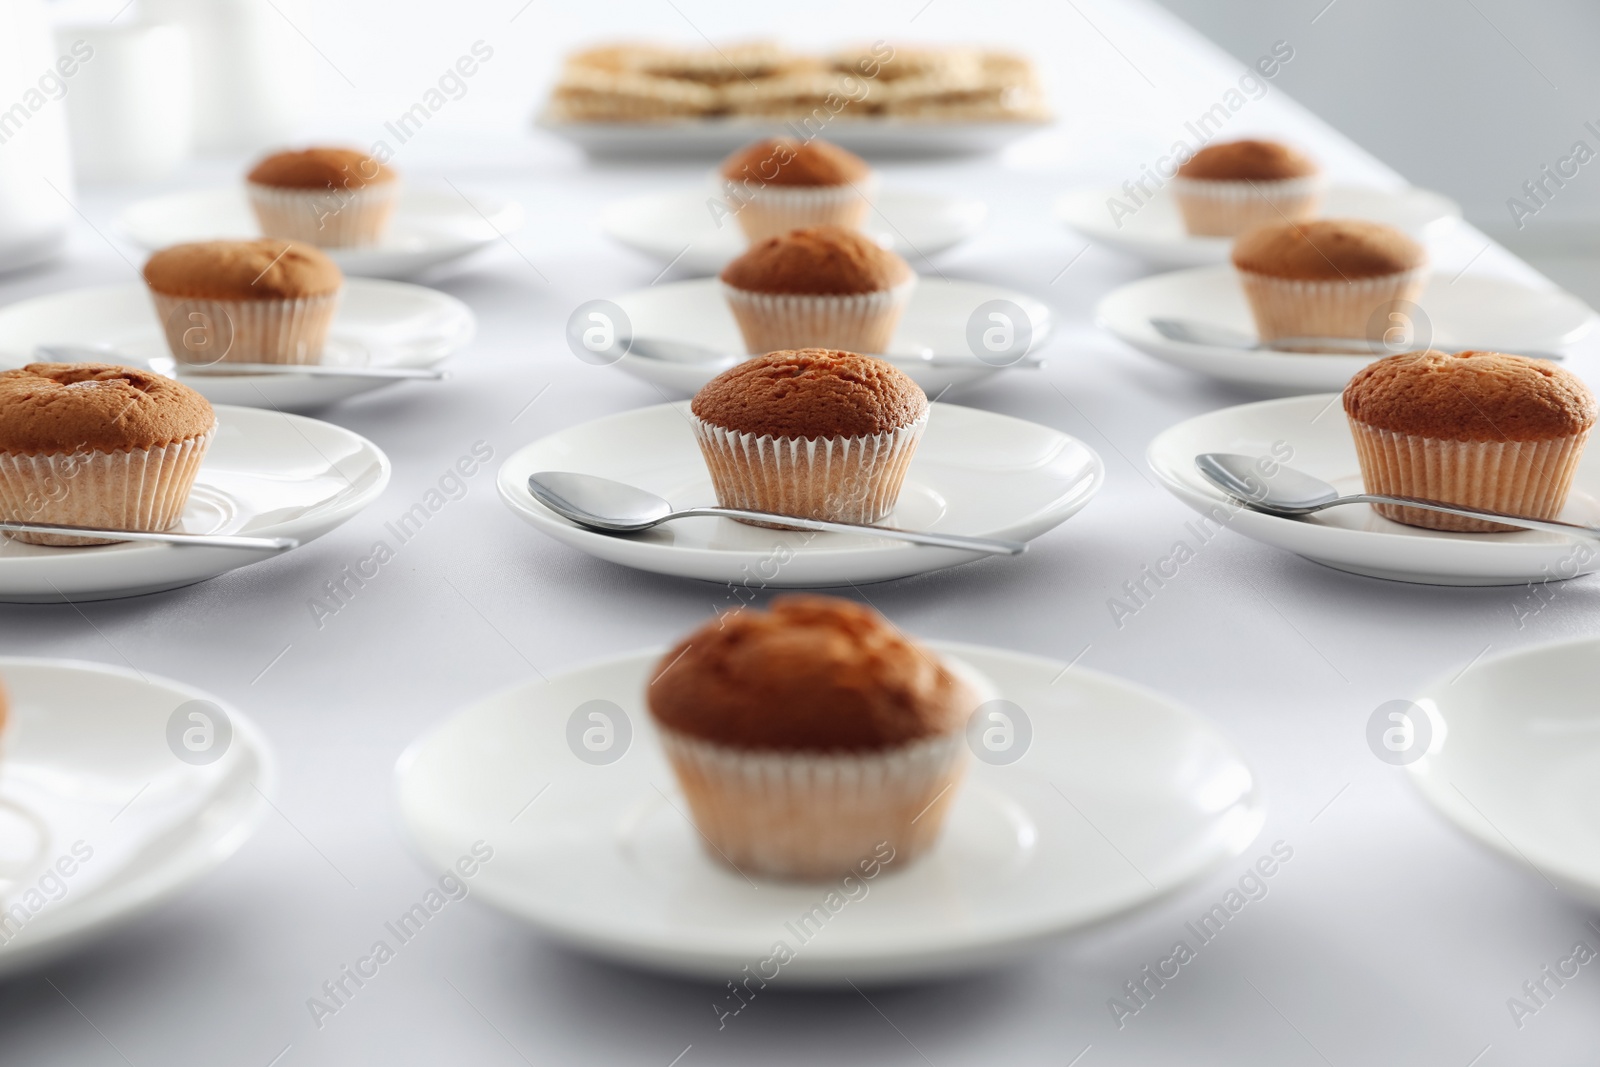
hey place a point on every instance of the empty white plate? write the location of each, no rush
(1155, 231)
(974, 473)
(379, 324)
(100, 818)
(1118, 797)
(267, 474)
(679, 228)
(1473, 311)
(1310, 434)
(1518, 764)
(430, 227)
(937, 320)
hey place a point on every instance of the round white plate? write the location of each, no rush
(379, 324)
(715, 138)
(1155, 232)
(1518, 763)
(267, 474)
(1474, 311)
(974, 472)
(430, 227)
(87, 764)
(1356, 538)
(1119, 798)
(679, 228)
(936, 320)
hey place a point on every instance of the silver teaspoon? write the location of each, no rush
(256, 544)
(1291, 493)
(613, 507)
(667, 351)
(1191, 332)
(66, 353)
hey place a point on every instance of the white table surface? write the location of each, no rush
(1388, 939)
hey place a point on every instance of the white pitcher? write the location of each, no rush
(35, 164)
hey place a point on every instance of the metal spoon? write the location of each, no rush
(258, 544)
(602, 504)
(69, 353)
(668, 351)
(1291, 493)
(1190, 332)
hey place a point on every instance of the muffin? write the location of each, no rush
(1225, 189)
(266, 301)
(811, 737)
(1483, 429)
(820, 287)
(328, 197)
(92, 444)
(782, 184)
(815, 433)
(1330, 278)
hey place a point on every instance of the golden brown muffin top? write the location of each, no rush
(814, 673)
(1262, 161)
(50, 408)
(811, 392)
(1327, 250)
(787, 161)
(1470, 396)
(320, 168)
(824, 260)
(267, 269)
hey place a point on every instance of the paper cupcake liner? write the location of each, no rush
(1529, 478)
(857, 322)
(138, 489)
(773, 210)
(811, 815)
(326, 218)
(1229, 208)
(248, 331)
(1288, 307)
(841, 479)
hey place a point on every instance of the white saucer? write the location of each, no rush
(679, 228)
(936, 320)
(379, 324)
(1355, 538)
(1518, 767)
(1475, 310)
(1155, 232)
(267, 474)
(430, 227)
(1120, 798)
(87, 760)
(973, 473)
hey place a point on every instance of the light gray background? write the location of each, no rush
(1388, 939)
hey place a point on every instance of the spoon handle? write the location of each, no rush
(315, 370)
(991, 545)
(260, 544)
(1568, 529)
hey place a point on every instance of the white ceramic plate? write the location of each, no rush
(715, 138)
(380, 324)
(87, 763)
(267, 474)
(973, 473)
(936, 320)
(1155, 232)
(1119, 798)
(1518, 763)
(1473, 311)
(1356, 538)
(430, 227)
(679, 228)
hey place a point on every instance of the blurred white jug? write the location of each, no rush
(129, 109)
(35, 167)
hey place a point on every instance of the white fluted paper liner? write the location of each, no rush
(137, 489)
(1528, 478)
(1291, 307)
(326, 218)
(842, 479)
(773, 210)
(1219, 208)
(805, 815)
(854, 322)
(255, 331)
